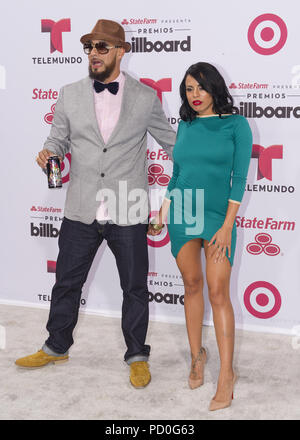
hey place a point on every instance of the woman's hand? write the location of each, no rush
(222, 239)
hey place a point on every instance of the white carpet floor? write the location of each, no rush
(94, 384)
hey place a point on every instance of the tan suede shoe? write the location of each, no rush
(40, 359)
(139, 374)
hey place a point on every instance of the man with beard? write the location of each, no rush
(103, 121)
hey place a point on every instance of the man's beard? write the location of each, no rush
(102, 76)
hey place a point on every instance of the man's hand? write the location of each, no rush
(42, 157)
(152, 231)
(160, 218)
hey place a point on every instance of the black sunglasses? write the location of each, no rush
(101, 47)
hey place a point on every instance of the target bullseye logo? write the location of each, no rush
(162, 238)
(267, 34)
(263, 244)
(262, 300)
(65, 168)
(156, 175)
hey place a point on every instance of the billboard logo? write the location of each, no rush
(143, 45)
(262, 300)
(263, 244)
(156, 175)
(265, 157)
(46, 230)
(267, 34)
(56, 29)
(160, 86)
(167, 298)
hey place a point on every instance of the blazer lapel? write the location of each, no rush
(128, 100)
(89, 102)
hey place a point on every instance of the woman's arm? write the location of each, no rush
(222, 237)
(241, 160)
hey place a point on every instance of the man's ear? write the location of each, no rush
(121, 52)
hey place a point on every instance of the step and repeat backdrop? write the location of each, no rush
(256, 48)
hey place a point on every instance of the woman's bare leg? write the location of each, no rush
(218, 281)
(189, 264)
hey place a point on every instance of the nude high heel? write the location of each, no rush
(197, 367)
(216, 404)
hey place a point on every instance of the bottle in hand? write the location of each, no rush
(54, 172)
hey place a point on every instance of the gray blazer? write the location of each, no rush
(120, 165)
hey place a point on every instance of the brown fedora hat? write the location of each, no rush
(109, 31)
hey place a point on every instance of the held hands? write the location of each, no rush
(153, 231)
(156, 225)
(42, 157)
(222, 239)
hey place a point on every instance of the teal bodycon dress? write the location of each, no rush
(210, 154)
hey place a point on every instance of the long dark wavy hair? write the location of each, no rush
(212, 81)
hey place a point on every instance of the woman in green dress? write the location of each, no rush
(212, 153)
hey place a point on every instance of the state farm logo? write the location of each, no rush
(45, 215)
(160, 86)
(45, 95)
(156, 175)
(265, 157)
(263, 244)
(267, 34)
(56, 29)
(262, 300)
(160, 240)
(254, 85)
(268, 223)
(48, 118)
(50, 209)
(157, 155)
(40, 94)
(139, 21)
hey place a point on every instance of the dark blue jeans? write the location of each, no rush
(78, 244)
